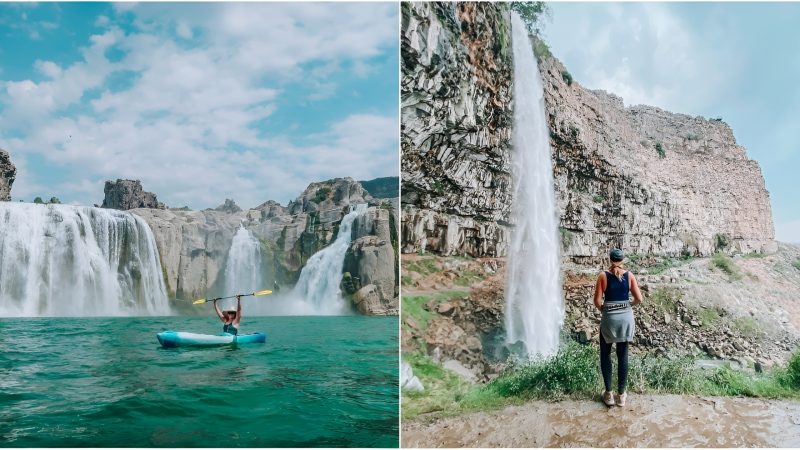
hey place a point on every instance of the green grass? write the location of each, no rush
(668, 263)
(406, 280)
(467, 278)
(748, 326)
(414, 305)
(726, 264)
(796, 264)
(663, 299)
(574, 373)
(708, 316)
(424, 266)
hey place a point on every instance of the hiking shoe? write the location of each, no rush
(608, 398)
(621, 399)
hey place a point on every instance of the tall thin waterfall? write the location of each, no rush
(534, 307)
(319, 280)
(243, 269)
(60, 260)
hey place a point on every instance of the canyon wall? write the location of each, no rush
(640, 178)
(193, 245)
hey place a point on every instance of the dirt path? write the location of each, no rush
(647, 421)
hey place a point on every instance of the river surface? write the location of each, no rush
(106, 382)
(645, 421)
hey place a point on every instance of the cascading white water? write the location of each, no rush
(60, 260)
(319, 280)
(534, 307)
(243, 268)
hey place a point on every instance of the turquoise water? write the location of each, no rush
(105, 382)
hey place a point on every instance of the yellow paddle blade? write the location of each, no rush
(265, 292)
(198, 301)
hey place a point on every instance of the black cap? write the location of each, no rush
(616, 255)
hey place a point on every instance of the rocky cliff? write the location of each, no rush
(640, 178)
(193, 245)
(7, 174)
(456, 127)
(128, 194)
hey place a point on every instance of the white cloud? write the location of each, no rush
(184, 120)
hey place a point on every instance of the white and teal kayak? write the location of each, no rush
(181, 339)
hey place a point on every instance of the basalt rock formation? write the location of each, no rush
(638, 177)
(7, 174)
(128, 194)
(456, 127)
(193, 245)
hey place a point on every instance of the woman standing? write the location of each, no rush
(617, 326)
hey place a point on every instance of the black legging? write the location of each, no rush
(622, 363)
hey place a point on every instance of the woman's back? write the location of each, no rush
(617, 289)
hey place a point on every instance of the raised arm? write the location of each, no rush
(238, 310)
(599, 288)
(219, 311)
(637, 294)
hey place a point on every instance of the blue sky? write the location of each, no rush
(738, 61)
(201, 102)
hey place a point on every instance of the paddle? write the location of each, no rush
(205, 300)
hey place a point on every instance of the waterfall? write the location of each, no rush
(243, 268)
(60, 260)
(320, 278)
(534, 307)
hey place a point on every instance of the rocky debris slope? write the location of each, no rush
(128, 194)
(455, 127)
(640, 178)
(7, 174)
(463, 304)
(193, 245)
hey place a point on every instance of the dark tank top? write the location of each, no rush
(617, 290)
(229, 328)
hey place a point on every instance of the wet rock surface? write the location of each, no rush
(646, 421)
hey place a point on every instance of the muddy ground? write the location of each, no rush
(646, 421)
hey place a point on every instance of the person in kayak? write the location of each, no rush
(617, 325)
(230, 318)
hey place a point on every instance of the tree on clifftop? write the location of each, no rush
(530, 13)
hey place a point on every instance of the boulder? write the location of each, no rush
(128, 194)
(8, 172)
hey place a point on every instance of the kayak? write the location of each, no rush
(181, 338)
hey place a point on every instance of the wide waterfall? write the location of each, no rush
(60, 260)
(319, 280)
(243, 268)
(534, 307)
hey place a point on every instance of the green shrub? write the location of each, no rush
(726, 264)
(321, 194)
(722, 241)
(38, 201)
(651, 373)
(716, 119)
(660, 150)
(692, 137)
(567, 77)
(796, 264)
(791, 376)
(573, 370)
(541, 50)
(598, 198)
(567, 237)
